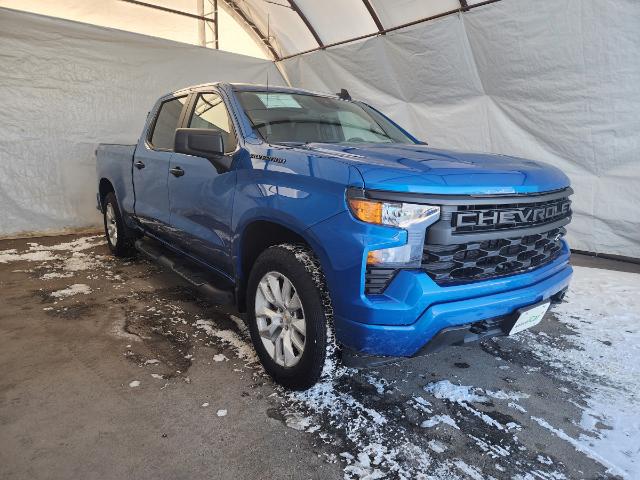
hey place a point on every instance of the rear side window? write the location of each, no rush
(210, 112)
(164, 130)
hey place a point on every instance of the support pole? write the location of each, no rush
(202, 35)
(305, 20)
(374, 16)
(216, 23)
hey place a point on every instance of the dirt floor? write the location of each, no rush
(115, 369)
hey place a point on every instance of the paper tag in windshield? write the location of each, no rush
(278, 100)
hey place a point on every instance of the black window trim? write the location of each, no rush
(152, 126)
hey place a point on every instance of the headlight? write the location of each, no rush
(415, 218)
(401, 215)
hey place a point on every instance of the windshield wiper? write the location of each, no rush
(291, 143)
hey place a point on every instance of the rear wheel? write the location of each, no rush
(290, 316)
(119, 237)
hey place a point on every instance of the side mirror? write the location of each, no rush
(202, 142)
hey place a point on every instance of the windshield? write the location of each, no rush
(298, 118)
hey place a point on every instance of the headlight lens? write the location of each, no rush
(401, 215)
(415, 218)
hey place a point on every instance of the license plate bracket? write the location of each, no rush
(529, 316)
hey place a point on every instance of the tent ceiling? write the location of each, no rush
(291, 27)
(287, 28)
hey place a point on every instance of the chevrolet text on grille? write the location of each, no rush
(515, 215)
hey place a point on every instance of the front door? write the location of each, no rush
(151, 168)
(201, 196)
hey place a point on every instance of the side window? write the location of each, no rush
(164, 130)
(210, 112)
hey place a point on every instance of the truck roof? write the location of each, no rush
(251, 87)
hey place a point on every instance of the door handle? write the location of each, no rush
(139, 165)
(177, 171)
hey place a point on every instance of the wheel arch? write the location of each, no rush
(104, 188)
(256, 237)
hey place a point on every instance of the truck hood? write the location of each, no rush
(421, 169)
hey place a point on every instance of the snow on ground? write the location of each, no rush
(601, 353)
(52, 275)
(445, 428)
(75, 289)
(239, 343)
(376, 446)
(458, 426)
(44, 253)
(603, 311)
(80, 261)
(455, 393)
(77, 245)
(56, 257)
(438, 419)
(12, 255)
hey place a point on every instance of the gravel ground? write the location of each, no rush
(115, 369)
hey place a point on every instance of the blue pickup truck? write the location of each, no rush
(332, 228)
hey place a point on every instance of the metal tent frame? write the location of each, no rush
(247, 13)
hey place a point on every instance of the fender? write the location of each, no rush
(275, 217)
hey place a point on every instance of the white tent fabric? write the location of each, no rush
(555, 81)
(333, 21)
(138, 18)
(394, 13)
(67, 87)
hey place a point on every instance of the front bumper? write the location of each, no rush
(450, 322)
(414, 308)
(449, 336)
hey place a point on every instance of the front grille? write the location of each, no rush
(490, 218)
(486, 259)
(478, 238)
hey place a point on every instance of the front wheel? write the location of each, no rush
(290, 315)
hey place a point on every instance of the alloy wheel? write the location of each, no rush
(280, 319)
(112, 226)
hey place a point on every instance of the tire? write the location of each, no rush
(120, 238)
(288, 364)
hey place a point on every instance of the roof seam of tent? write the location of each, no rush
(305, 20)
(374, 16)
(464, 7)
(235, 8)
(245, 18)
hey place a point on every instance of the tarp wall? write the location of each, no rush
(552, 80)
(68, 86)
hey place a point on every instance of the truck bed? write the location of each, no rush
(114, 162)
(114, 152)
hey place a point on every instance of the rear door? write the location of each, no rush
(200, 195)
(151, 166)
